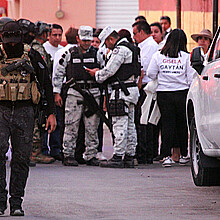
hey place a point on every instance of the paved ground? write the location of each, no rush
(147, 192)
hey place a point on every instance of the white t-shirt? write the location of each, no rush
(173, 74)
(50, 49)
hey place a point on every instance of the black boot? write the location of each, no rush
(15, 206)
(92, 162)
(3, 207)
(128, 161)
(17, 212)
(114, 162)
(70, 161)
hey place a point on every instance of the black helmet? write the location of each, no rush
(27, 26)
(42, 27)
(3, 21)
(12, 33)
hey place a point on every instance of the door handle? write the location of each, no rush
(217, 75)
(205, 77)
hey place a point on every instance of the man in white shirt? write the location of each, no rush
(148, 46)
(52, 46)
(166, 26)
(55, 37)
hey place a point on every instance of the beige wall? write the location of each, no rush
(77, 12)
(191, 22)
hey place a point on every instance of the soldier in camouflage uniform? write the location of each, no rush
(42, 30)
(120, 70)
(72, 65)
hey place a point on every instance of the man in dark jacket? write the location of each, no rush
(19, 76)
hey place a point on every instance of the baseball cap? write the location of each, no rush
(11, 32)
(104, 34)
(85, 33)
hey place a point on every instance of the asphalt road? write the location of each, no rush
(146, 192)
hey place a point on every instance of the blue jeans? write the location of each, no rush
(54, 141)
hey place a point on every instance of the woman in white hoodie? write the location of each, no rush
(171, 66)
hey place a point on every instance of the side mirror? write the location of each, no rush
(197, 59)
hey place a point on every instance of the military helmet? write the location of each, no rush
(42, 27)
(11, 32)
(3, 21)
(27, 26)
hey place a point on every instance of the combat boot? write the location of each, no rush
(114, 162)
(3, 207)
(92, 162)
(70, 161)
(128, 161)
(38, 157)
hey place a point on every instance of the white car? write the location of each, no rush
(203, 114)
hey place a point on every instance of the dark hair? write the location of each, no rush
(125, 33)
(142, 25)
(114, 34)
(56, 26)
(140, 18)
(97, 32)
(158, 25)
(175, 43)
(165, 18)
(71, 35)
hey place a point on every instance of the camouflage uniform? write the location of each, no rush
(37, 135)
(74, 110)
(123, 126)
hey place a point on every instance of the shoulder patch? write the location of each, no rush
(115, 51)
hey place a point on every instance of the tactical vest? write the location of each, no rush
(15, 81)
(127, 70)
(78, 60)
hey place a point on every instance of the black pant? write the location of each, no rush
(17, 123)
(172, 106)
(144, 147)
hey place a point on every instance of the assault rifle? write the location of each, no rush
(22, 65)
(89, 102)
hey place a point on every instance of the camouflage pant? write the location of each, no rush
(36, 134)
(125, 133)
(16, 123)
(73, 114)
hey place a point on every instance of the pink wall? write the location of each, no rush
(77, 12)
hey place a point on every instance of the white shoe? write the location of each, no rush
(168, 162)
(100, 156)
(183, 160)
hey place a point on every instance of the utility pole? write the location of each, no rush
(178, 13)
(215, 16)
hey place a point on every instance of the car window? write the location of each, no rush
(216, 52)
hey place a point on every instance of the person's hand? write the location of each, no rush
(92, 71)
(58, 100)
(51, 121)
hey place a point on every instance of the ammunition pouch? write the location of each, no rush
(117, 107)
(35, 94)
(15, 81)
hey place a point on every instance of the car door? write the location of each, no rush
(211, 75)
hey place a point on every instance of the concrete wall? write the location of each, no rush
(195, 15)
(76, 12)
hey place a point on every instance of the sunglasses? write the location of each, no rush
(9, 34)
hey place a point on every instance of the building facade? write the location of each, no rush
(195, 15)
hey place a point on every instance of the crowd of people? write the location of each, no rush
(54, 100)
